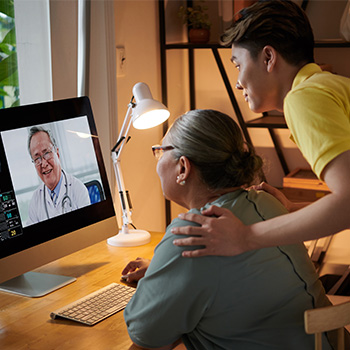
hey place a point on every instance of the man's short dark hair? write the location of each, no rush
(278, 23)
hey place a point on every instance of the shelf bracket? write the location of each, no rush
(231, 95)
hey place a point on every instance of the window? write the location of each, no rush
(9, 90)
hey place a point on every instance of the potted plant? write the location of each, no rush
(197, 21)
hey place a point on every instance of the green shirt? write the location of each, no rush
(255, 300)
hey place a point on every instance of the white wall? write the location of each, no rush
(137, 31)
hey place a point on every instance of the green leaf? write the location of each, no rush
(11, 80)
(6, 48)
(3, 92)
(8, 66)
(7, 7)
(16, 103)
(10, 37)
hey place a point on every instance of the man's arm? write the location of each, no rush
(226, 235)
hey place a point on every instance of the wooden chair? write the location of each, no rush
(317, 250)
(326, 319)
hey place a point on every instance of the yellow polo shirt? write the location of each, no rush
(317, 112)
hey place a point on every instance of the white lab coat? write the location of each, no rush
(73, 195)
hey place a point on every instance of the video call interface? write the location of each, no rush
(25, 203)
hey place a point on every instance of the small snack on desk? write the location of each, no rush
(98, 305)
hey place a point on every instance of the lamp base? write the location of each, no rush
(131, 239)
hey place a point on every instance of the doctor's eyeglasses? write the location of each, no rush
(158, 150)
(47, 156)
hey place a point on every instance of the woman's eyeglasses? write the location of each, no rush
(158, 150)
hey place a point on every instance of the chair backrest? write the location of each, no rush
(95, 191)
(326, 319)
(317, 250)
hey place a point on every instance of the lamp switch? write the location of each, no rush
(121, 62)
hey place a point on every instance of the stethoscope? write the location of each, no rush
(66, 201)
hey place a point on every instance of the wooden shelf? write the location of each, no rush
(194, 46)
(332, 43)
(268, 121)
(304, 179)
(215, 45)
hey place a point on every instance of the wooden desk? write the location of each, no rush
(25, 323)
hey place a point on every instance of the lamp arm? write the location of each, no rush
(116, 155)
(122, 138)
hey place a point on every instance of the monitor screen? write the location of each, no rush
(54, 194)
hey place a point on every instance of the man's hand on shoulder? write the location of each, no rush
(289, 205)
(220, 232)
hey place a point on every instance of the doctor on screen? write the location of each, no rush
(60, 192)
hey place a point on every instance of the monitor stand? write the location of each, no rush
(35, 284)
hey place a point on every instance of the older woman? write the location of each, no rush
(252, 301)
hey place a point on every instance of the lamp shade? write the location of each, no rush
(147, 112)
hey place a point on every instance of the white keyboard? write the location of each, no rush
(98, 305)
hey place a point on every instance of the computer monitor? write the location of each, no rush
(35, 229)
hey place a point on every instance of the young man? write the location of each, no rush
(272, 47)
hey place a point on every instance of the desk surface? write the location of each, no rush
(25, 322)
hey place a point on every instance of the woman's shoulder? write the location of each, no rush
(177, 222)
(266, 205)
(166, 248)
(245, 203)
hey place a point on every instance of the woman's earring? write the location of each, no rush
(182, 183)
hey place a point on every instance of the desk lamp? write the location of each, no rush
(144, 113)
